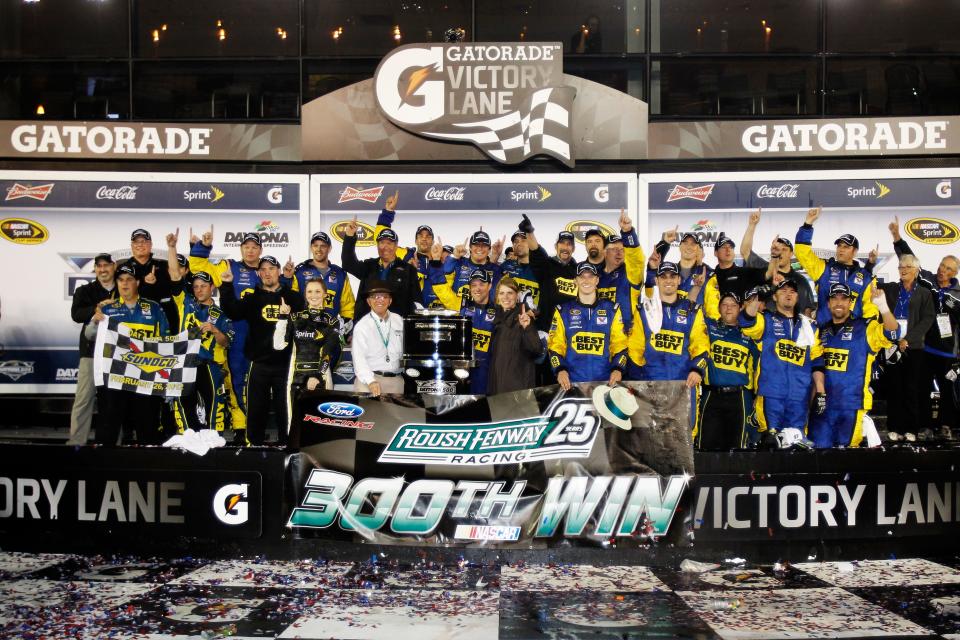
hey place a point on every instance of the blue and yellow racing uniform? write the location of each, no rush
(826, 272)
(210, 386)
(787, 363)
(427, 297)
(339, 300)
(587, 341)
(668, 353)
(614, 285)
(245, 280)
(456, 272)
(481, 317)
(145, 320)
(524, 276)
(849, 350)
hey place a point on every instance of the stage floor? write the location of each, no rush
(69, 596)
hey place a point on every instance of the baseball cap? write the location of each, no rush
(269, 259)
(784, 242)
(480, 237)
(565, 236)
(593, 231)
(126, 269)
(787, 282)
(103, 257)
(387, 234)
(839, 289)
(730, 294)
(182, 260)
(140, 233)
(251, 237)
(723, 240)
(518, 234)
(480, 274)
(426, 228)
(849, 239)
(448, 248)
(587, 267)
(668, 267)
(692, 236)
(614, 237)
(321, 236)
(204, 276)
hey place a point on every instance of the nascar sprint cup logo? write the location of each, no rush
(505, 98)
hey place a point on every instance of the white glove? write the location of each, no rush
(882, 305)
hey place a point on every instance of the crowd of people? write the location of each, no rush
(774, 355)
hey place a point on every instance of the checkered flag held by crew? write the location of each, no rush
(155, 366)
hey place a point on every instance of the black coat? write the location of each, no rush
(403, 278)
(261, 310)
(161, 291)
(85, 301)
(513, 351)
(920, 317)
(558, 283)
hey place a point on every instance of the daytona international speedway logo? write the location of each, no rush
(567, 430)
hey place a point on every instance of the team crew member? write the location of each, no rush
(515, 344)
(402, 277)
(693, 273)
(206, 407)
(614, 284)
(85, 301)
(481, 314)
(587, 341)
(152, 273)
(849, 348)
(145, 319)
(669, 333)
(791, 357)
(557, 275)
(781, 261)
(244, 278)
(378, 344)
(417, 255)
(842, 268)
(267, 377)
(906, 379)
(726, 371)
(940, 343)
(312, 332)
(518, 266)
(458, 269)
(340, 301)
(728, 276)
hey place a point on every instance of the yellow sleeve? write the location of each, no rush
(869, 308)
(711, 298)
(756, 331)
(557, 338)
(816, 350)
(347, 301)
(876, 337)
(699, 341)
(618, 340)
(813, 265)
(636, 264)
(637, 341)
(204, 264)
(178, 301)
(446, 295)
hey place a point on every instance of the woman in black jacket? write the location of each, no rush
(515, 343)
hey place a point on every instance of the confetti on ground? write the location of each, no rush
(881, 573)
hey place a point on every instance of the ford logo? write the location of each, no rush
(340, 410)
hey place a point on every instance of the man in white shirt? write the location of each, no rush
(378, 344)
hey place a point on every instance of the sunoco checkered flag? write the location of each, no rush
(541, 125)
(162, 366)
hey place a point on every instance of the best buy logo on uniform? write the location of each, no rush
(149, 361)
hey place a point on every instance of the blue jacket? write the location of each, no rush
(525, 277)
(587, 341)
(731, 359)
(145, 320)
(193, 314)
(245, 279)
(785, 367)
(848, 353)
(615, 286)
(481, 317)
(456, 271)
(669, 353)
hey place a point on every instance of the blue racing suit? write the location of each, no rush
(339, 300)
(456, 272)
(481, 316)
(849, 350)
(525, 277)
(615, 286)
(587, 341)
(667, 354)
(427, 297)
(145, 320)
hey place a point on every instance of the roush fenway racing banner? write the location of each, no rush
(538, 466)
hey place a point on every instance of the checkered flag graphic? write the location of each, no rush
(540, 126)
(160, 366)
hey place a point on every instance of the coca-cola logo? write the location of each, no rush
(448, 194)
(782, 191)
(126, 192)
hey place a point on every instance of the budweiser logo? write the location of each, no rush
(367, 195)
(125, 192)
(450, 193)
(679, 192)
(783, 191)
(39, 192)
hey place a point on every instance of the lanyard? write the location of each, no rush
(385, 341)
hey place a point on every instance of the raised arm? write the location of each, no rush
(746, 242)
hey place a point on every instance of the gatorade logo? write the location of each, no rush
(566, 287)
(230, 504)
(667, 342)
(836, 359)
(481, 340)
(588, 343)
(729, 356)
(788, 351)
